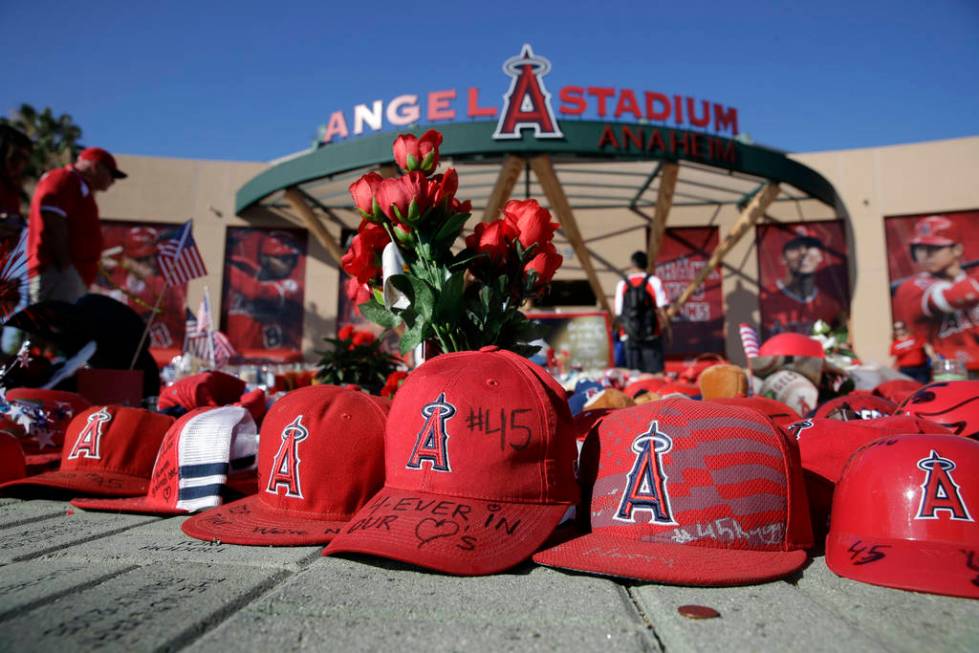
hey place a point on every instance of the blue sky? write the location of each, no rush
(253, 80)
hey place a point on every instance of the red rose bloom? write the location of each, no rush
(531, 220)
(362, 260)
(357, 293)
(393, 382)
(413, 153)
(393, 199)
(492, 239)
(445, 187)
(345, 332)
(545, 263)
(363, 191)
(419, 190)
(362, 338)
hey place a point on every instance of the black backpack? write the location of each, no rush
(638, 312)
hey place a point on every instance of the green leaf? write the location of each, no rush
(463, 260)
(449, 301)
(412, 337)
(378, 296)
(377, 314)
(419, 293)
(451, 228)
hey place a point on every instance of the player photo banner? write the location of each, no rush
(131, 275)
(699, 327)
(933, 263)
(802, 275)
(263, 293)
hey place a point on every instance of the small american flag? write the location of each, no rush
(749, 340)
(178, 257)
(224, 351)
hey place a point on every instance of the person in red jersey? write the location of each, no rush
(266, 309)
(911, 354)
(64, 238)
(941, 302)
(15, 153)
(799, 298)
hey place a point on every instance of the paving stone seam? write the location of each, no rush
(50, 598)
(198, 630)
(649, 636)
(31, 519)
(97, 536)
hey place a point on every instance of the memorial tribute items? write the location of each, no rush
(479, 460)
(792, 389)
(198, 453)
(320, 457)
(201, 390)
(109, 451)
(44, 414)
(722, 381)
(904, 515)
(460, 301)
(953, 404)
(687, 492)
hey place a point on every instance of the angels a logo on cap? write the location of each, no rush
(646, 486)
(796, 428)
(285, 464)
(432, 442)
(939, 492)
(89, 441)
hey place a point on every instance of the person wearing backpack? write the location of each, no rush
(640, 304)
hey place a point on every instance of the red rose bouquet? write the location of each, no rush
(461, 300)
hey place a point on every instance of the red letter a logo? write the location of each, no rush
(285, 465)
(646, 482)
(89, 441)
(527, 104)
(431, 443)
(939, 493)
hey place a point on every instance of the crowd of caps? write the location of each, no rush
(480, 462)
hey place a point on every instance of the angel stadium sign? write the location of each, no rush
(529, 107)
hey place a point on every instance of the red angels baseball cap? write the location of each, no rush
(109, 451)
(98, 155)
(479, 460)
(936, 230)
(776, 411)
(320, 457)
(198, 453)
(953, 404)
(204, 389)
(689, 493)
(826, 444)
(855, 406)
(12, 464)
(904, 515)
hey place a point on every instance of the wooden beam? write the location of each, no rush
(749, 216)
(664, 202)
(503, 188)
(544, 169)
(301, 208)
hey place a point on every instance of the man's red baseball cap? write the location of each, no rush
(689, 493)
(98, 155)
(479, 458)
(109, 451)
(936, 230)
(320, 457)
(778, 412)
(198, 453)
(904, 515)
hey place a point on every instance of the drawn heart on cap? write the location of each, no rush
(430, 529)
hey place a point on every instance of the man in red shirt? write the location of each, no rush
(910, 353)
(799, 299)
(64, 238)
(941, 303)
(15, 153)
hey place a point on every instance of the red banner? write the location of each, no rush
(132, 277)
(803, 276)
(700, 326)
(262, 298)
(933, 262)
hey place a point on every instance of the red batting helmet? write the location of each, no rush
(278, 244)
(904, 515)
(140, 242)
(936, 230)
(953, 404)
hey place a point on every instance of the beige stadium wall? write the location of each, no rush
(872, 183)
